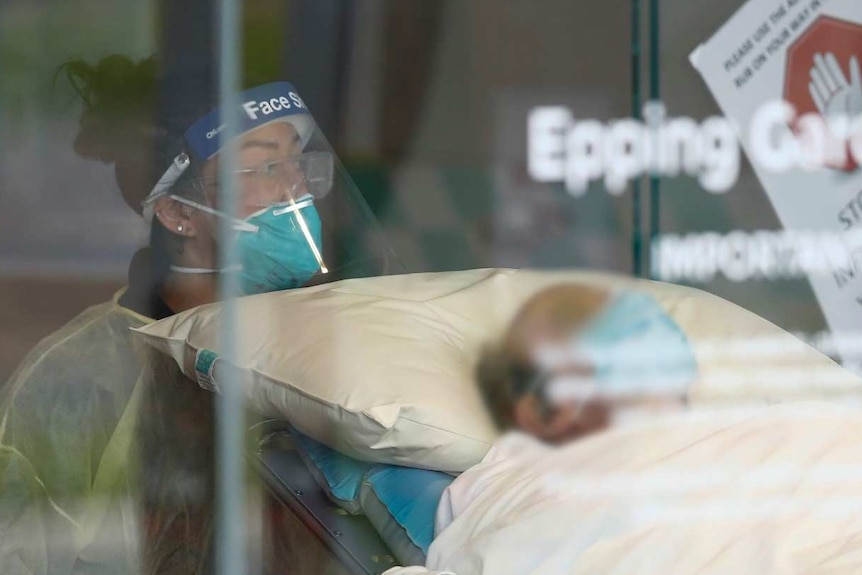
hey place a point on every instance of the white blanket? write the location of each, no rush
(778, 491)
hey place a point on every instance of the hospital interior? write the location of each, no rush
(453, 287)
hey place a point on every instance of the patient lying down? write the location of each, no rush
(710, 494)
(576, 359)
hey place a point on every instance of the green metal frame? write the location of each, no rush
(653, 41)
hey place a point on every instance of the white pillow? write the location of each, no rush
(382, 369)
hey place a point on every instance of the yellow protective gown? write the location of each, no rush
(107, 459)
(67, 421)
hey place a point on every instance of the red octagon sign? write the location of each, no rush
(825, 36)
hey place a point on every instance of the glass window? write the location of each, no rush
(300, 285)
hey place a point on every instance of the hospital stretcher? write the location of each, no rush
(350, 544)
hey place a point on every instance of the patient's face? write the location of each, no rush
(551, 318)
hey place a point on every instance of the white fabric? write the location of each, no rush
(382, 369)
(773, 492)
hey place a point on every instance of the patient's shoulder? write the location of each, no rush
(515, 445)
(511, 452)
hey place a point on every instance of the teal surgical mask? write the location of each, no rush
(278, 247)
(633, 348)
(284, 252)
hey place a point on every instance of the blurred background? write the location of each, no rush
(426, 104)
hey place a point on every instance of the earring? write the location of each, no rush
(179, 228)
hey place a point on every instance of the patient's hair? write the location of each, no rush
(502, 380)
(505, 372)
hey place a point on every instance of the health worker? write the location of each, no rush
(106, 452)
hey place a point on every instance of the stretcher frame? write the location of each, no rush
(350, 544)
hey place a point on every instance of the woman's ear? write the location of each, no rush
(175, 217)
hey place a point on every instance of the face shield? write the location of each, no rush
(300, 218)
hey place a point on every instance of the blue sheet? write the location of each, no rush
(342, 475)
(411, 496)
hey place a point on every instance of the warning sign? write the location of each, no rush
(823, 72)
(804, 56)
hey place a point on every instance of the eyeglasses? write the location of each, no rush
(278, 180)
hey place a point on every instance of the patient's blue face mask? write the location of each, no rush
(633, 348)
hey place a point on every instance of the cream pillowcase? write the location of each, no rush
(382, 369)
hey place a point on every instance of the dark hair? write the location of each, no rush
(118, 123)
(503, 380)
(125, 124)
